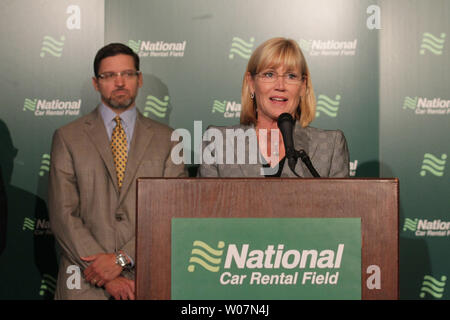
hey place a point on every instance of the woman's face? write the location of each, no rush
(277, 90)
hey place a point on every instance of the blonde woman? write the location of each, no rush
(276, 81)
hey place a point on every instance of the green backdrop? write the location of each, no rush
(380, 70)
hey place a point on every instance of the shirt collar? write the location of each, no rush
(128, 117)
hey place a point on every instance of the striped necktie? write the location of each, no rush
(119, 150)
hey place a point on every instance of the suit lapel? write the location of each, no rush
(96, 131)
(302, 140)
(142, 137)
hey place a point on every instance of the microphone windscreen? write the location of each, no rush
(286, 125)
(285, 117)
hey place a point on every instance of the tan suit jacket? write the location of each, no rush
(88, 214)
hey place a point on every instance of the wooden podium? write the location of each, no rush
(159, 200)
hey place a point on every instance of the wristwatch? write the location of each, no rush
(122, 261)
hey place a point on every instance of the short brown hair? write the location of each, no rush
(114, 49)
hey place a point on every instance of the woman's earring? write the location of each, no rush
(252, 95)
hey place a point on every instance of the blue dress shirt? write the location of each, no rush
(128, 121)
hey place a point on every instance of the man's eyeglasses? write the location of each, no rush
(271, 77)
(127, 75)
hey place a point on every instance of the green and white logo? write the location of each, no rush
(241, 48)
(305, 45)
(427, 106)
(135, 45)
(327, 105)
(48, 284)
(156, 107)
(40, 227)
(206, 256)
(433, 287)
(52, 46)
(410, 103)
(218, 106)
(55, 107)
(410, 224)
(432, 44)
(434, 165)
(29, 224)
(45, 164)
(329, 48)
(158, 48)
(229, 109)
(427, 228)
(29, 104)
(229, 258)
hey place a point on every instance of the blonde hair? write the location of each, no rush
(273, 53)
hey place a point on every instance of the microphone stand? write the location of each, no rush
(293, 155)
(302, 154)
(285, 123)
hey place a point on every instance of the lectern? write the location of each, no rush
(374, 201)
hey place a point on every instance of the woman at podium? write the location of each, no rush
(274, 138)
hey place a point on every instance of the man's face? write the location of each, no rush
(118, 91)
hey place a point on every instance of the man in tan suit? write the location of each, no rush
(92, 188)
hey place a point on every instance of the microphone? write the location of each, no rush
(286, 125)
